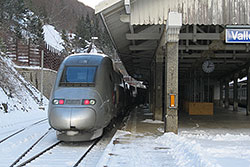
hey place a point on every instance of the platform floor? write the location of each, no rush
(222, 121)
(141, 142)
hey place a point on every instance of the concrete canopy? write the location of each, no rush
(136, 27)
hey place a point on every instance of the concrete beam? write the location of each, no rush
(216, 55)
(207, 47)
(182, 36)
(138, 48)
(144, 46)
(143, 36)
(200, 36)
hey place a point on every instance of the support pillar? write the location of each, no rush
(158, 86)
(221, 93)
(226, 94)
(235, 93)
(191, 87)
(171, 72)
(154, 87)
(216, 98)
(195, 87)
(151, 91)
(202, 90)
(248, 91)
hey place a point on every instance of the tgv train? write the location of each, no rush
(88, 93)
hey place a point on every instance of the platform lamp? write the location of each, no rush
(172, 101)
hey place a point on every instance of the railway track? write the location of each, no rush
(16, 144)
(38, 146)
(60, 154)
(21, 130)
(33, 145)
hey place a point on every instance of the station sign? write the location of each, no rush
(237, 35)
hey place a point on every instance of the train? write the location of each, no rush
(88, 93)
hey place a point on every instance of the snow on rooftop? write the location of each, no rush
(53, 37)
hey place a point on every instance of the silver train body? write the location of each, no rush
(86, 96)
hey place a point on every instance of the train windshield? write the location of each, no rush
(78, 75)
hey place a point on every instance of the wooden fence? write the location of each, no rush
(26, 54)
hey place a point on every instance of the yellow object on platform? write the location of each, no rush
(200, 108)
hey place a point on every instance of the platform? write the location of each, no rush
(222, 120)
(132, 145)
(142, 141)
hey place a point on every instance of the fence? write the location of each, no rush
(27, 54)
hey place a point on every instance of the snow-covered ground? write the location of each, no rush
(19, 100)
(192, 147)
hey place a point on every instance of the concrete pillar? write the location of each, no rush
(216, 98)
(154, 88)
(195, 87)
(158, 86)
(202, 90)
(221, 93)
(190, 87)
(151, 90)
(248, 91)
(226, 94)
(235, 93)
(171, 71)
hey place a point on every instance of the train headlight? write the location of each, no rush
(92, 102)
(88, 102)
(58, 101)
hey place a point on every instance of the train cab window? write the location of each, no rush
(78, 76)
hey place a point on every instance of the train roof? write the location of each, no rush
(84, 59)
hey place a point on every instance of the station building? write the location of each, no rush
(192, 54)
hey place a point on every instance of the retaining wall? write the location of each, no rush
(33, 75)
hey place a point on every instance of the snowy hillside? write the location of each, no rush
(19, 100)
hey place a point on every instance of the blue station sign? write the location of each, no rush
(237, 35)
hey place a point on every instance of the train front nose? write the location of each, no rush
(83, 118)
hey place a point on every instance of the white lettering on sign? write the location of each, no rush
(237, 36)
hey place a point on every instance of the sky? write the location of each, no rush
(91, 3)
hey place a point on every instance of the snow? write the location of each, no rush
(196, 146)
(227, 150)
(53, 37)
(20, 96)
(183, 150)
(192, 147)
(153, 121)
(94, 49)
